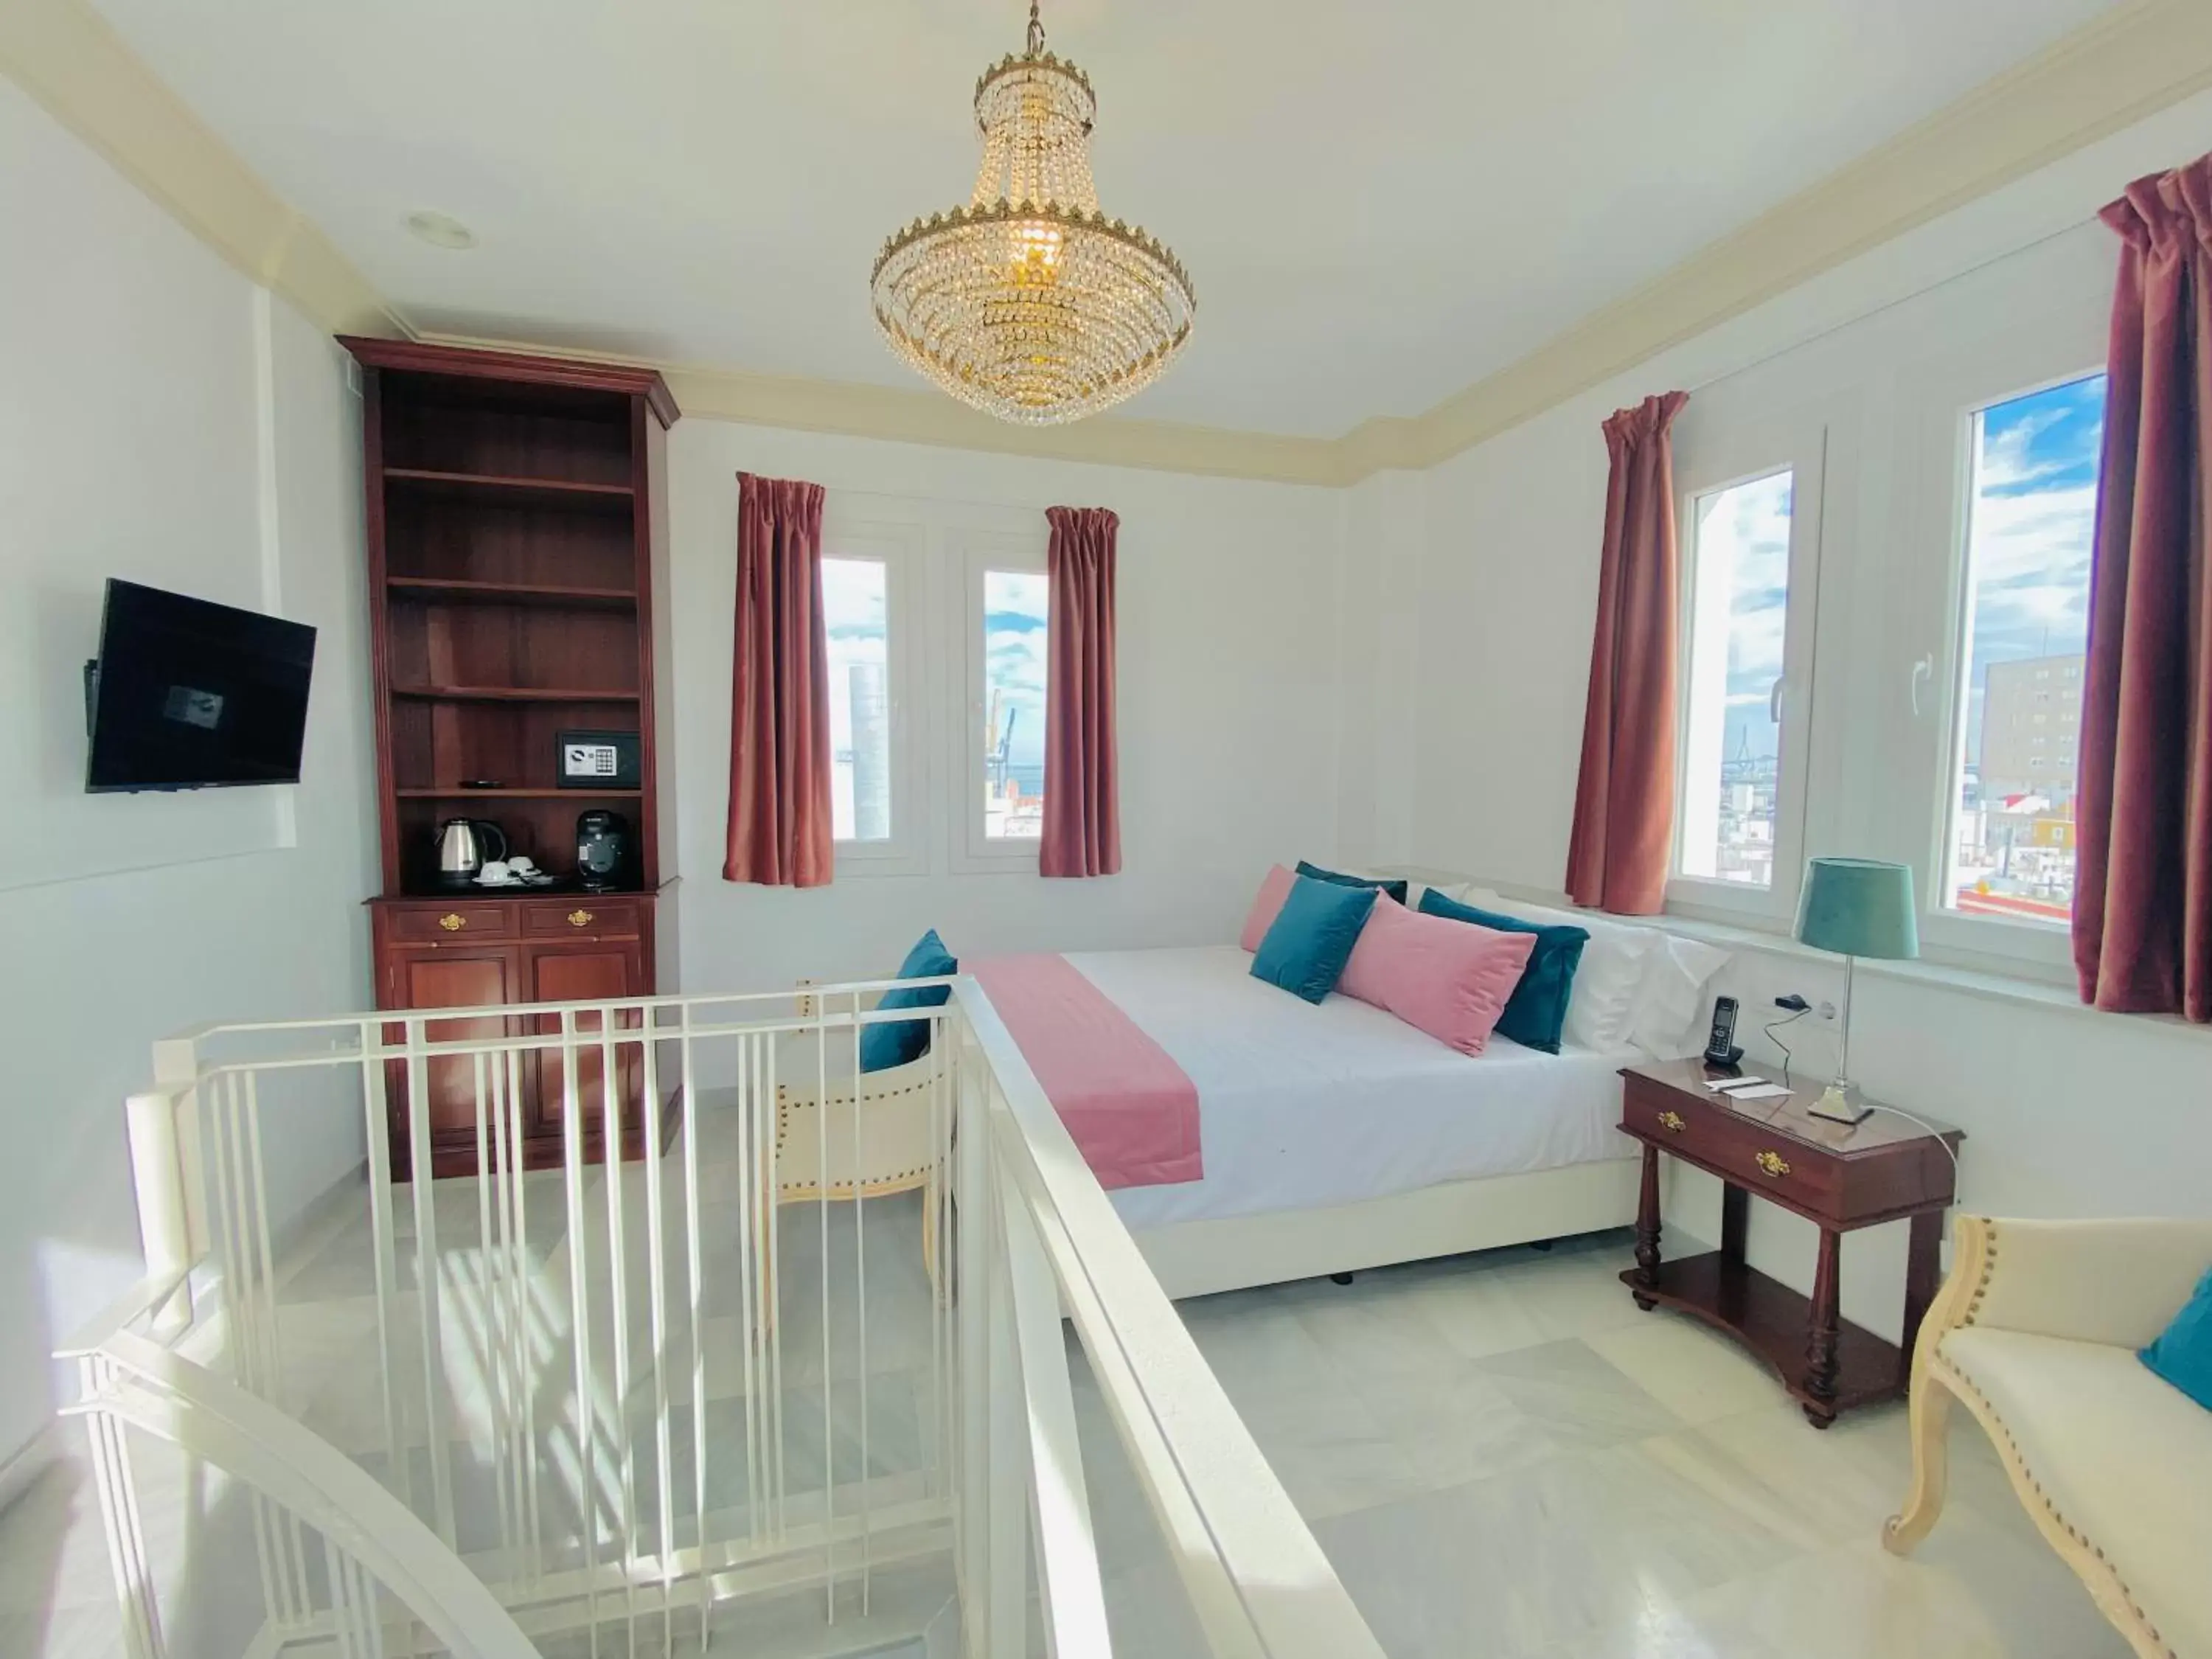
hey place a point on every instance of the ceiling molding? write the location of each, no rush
(2097, 81)
(63, 54)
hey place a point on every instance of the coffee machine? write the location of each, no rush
(602, 851)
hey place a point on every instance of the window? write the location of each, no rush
(2030, 523)
(1016, 639)
(1738, 630)
(854, 606)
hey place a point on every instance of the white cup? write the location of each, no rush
(522, 865)
(497, 873)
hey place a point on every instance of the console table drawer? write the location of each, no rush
(1751, 1154)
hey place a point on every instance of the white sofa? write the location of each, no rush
(2036, 1330)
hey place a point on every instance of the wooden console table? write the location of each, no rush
(1838, 1177)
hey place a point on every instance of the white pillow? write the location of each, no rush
(1609, 982)
(1668, 1022)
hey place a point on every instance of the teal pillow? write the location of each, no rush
(1396, 890)
(2183, 1353)
(897, 1041)
(1537, 1010)
(1305, 950)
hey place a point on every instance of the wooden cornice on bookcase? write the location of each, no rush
(526, 368)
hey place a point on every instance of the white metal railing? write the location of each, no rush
(629, 1398)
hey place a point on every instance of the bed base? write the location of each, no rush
(1234, 1252)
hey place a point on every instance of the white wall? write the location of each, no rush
(161, 419)
(2069, 1112)
(1228, 659)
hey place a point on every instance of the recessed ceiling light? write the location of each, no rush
(440, 230)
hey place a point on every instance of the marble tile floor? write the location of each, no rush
(1500, 1455)
(57, 1599)
(1503, 1458)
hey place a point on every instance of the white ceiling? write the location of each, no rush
(1379, 203)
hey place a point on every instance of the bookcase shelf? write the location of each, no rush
(510, 693)
(443, 591)
(574, 495)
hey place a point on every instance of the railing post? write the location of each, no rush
(164, 1212)
(994, 1518)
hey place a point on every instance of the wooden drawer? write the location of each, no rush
(435, 924)
(582, 916)
(1738, 1149)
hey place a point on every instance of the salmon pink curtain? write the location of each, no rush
(780, 826)
(1082, 797)
(2143, 905)
(1625, 797)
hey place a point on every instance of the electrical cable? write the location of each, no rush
(1924, 1123)
(1773, 1026)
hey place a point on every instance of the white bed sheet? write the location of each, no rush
(1303, 1106)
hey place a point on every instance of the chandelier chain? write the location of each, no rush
(1036, 32)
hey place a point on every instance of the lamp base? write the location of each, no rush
(1841, 1105)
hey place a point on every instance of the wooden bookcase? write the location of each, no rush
(517, 573)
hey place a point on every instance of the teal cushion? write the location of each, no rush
(1537, 1010)
(896, 1042)
(2183, 1353)
(1305, 950)
(1396, 890)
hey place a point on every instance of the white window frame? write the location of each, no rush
(901, 549)
(974, 852)
(2015, 364)
(1709, 459)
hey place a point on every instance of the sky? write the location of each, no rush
(1016, 607)
(2032, 529)
(853, 604)
(1755, 518)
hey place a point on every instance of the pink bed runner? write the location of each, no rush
(1133, 1113)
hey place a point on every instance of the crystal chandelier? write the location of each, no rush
(1029, 302)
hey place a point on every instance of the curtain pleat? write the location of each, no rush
(1082, 798)
(779, 833)
(1625, 795)
(2142, 902)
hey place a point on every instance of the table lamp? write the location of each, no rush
(1856, 908)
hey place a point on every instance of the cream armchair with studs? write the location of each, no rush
(2037, 1330)
(898, 1140)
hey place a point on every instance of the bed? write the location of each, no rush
(1327, 1137)
(1335, 1137)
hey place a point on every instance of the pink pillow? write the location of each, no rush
(1448, 978)
(1273, 891)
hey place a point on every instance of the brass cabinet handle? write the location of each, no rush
(1773, 1163)
(1671, 1121)
(452, 922)
(579, 918)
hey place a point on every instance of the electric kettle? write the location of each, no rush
(464, 844)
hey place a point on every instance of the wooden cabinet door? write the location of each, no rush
(448, 976)
(597, 970)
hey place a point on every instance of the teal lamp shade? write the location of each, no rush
(1859, 907)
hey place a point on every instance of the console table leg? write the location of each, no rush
(1821, 1345)
(1735, 1220)
(1647, 1228)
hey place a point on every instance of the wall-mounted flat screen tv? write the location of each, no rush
(189, 695)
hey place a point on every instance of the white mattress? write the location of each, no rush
(1303, 1106)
